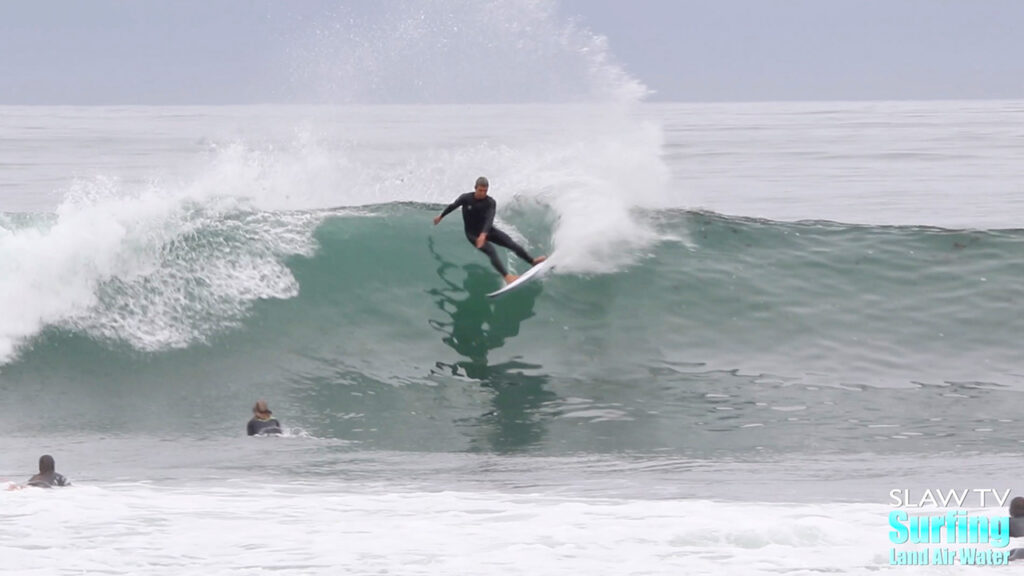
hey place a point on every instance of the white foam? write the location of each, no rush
(455, 51)
(155, 268)
(593, 169)
(329, 528)
(593, 172)
(595, 185)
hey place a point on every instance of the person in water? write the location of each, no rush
(478, 211)
(1017, 526)
(261, 422)
(47, 477)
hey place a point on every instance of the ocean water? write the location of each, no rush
(762, 319)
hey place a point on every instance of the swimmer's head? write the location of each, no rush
(260, 407)
(46, 464)
(1017, 507)
(481, 187)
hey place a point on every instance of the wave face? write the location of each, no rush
(204, 257)
(377, 325)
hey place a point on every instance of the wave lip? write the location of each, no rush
(155, 270)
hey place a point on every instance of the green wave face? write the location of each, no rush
(724, 332)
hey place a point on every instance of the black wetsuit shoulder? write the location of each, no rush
(477, 215)
(48, 480)
(257, 426)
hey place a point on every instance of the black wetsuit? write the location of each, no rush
(1017, 527)
(1017, 531)
(269, 426)
(48, 480)
(478, 218)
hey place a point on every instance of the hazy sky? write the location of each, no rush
(242, 51)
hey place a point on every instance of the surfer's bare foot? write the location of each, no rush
(539, 259)
(510, 278)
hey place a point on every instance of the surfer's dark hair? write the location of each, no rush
(1017, 507)
(46, 463)
(481, 181)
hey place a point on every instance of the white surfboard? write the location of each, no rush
(533, 272)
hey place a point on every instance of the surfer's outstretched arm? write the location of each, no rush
(458, 202)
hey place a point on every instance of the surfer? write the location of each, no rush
(1017, 526)
(47, 477)
(478, 211)
(261, 422)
